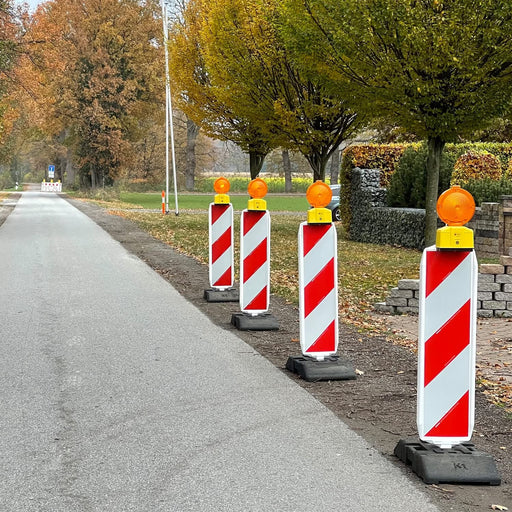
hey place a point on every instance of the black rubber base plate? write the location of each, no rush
(227, 295)
(461, 464)
(331, 368)
(261, 322)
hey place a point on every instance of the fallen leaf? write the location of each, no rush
(295, 340)
(499, 507)
(359, 372)
(400, 372)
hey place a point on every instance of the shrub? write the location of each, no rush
(375, 156)
(407, 187)
(476, 165)
(488, 190)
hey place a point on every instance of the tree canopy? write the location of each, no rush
(441, 69)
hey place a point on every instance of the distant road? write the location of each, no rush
(118, 395)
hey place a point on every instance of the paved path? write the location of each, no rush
(118, 395)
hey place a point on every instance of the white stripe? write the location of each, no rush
(256, 235)
(445, 391)
(448, 297)
(221, 265)
(253, 285)
(318, 320)
(318, 257)
(222, 224)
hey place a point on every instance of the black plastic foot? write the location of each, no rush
(331, 368)
(227, 295)
(461, 464)
(261, 322)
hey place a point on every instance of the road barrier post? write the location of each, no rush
(220, 235)
(446, 354)
(255, 263)
(318, 294)
(163, 202)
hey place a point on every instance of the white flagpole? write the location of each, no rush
(169, 125)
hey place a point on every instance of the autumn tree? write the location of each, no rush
(441, 69)
(198, 95)
(100, 60)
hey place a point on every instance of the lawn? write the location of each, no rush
(366, 271)
(275, 202)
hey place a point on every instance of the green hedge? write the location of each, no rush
(388, 158)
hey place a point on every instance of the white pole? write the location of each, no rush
(164, 21)
(169, 120)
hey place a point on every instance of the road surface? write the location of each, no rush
(118, 395)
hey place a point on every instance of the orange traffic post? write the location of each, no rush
(318, 294)
(446, 354)
(163, 202)
(255, 263)
(220, 236)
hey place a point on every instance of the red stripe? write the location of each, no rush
(224, 279)
(221, 245)
(447, 343)
(455, 423)
(217, 210)
(319, 287)
(255, 260)
(259, 302)
(439, 265)
(326, 342)
(312, 234)
(250, 219)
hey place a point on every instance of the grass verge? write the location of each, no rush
(366, 271)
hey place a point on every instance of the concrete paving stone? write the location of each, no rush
(399, 293)
(409, 284)
(489, 287)
(494, 304)
(504, 279)
(485, 278)
(502, 296)
(491, 268)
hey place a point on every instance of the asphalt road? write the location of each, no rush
(118, 395)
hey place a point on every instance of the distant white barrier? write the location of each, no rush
(51, 187)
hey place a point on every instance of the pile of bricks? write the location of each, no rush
(494, 292)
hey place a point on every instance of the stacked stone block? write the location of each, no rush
(494, 292)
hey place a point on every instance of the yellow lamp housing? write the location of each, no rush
(257, 203)
(319, 216)
(455, 237)
(221, 199)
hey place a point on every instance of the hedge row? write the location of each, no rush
(481, 159)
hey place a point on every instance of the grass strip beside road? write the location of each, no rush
(366, 271)
(275, 202)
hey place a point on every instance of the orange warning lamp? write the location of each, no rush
(221, 186)
(319, 195)
(257, 189)
(455, 208)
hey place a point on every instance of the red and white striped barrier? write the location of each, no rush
(318, 290)
(51, 187)
(221, 267)
(254, 261)
(446, 346)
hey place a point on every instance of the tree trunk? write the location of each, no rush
(335, 167)
(256, 159)
(287, 171)
(435, 149)
(70, 170)
(190, 159)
